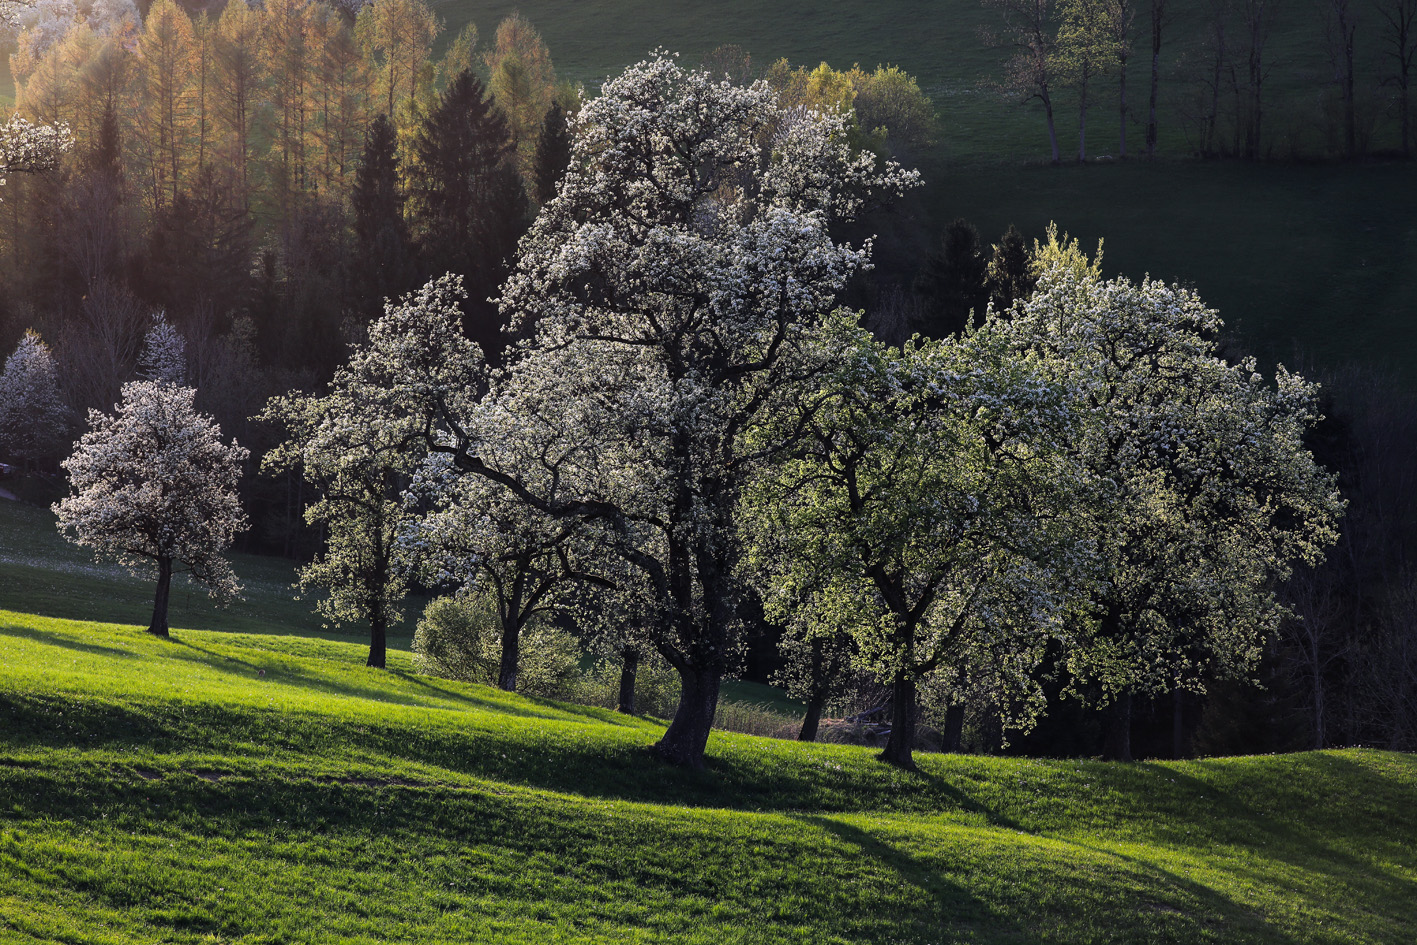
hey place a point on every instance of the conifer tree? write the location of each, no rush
(553, 153)
(383, 258)
(467, 205)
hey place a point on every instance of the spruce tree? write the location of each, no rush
(383, 255)
(553, 154)
(467, 204)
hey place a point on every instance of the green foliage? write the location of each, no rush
(1211, 495)
(461, 638)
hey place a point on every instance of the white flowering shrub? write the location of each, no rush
(154, 487)
(34, 420)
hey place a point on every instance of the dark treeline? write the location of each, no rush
(1257, 79)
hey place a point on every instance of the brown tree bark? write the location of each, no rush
(813, 719)
(629, 668)
(685, 739)
(901, 742)
(158, 627)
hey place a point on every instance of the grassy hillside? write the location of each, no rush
(259, 788)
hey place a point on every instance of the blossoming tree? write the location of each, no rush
(154, 486)
(928, 514)
(1211, 495)
(34, 420)
(664, 298)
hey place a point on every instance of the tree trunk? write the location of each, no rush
(1117, 743)
(511, 655)
(1052, 130)
(1122, 109)
(629, 666)
(1082, 123)
(1179, 743)
(685, 739)
(954, 729)
(901, 743)
(160, 599)
(378, 639)
(1155, 79)
(812, 720)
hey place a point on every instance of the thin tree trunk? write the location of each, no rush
(813, 719)
(1179, 747)
(1156, 16)
(629, 667)
(1082, 123)
(160, 599)
(954, 729)
(1117, 743)
(1122, 109)
(685, 739)
(901, 742)
(1052, 129)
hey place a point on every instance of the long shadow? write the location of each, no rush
(68, 643)
(284, 675)
(1291, 819)
(751, 868)
(943, 910)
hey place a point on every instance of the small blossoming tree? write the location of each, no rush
(153, 486)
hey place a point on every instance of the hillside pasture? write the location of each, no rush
(267, 788)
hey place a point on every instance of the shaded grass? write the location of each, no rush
(263, 788)
(45, 574)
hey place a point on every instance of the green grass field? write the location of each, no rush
(226, 787)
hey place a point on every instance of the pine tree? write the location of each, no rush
(553, 154)
(467, 205)
(383, 256)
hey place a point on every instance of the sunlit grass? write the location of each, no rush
(262, 788)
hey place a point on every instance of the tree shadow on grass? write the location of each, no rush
(940, 910)
(61, 640)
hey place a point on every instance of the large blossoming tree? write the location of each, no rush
(1210, 494)
(154, 486)
(664, 298)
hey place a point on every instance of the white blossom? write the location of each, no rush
(152, 485)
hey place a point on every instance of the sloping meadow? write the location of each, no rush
(252, 788)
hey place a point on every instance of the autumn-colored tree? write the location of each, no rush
(238, 56)
(162, 120)
(522, 82)
(290, 57)
(398, 35)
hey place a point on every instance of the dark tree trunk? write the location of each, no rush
(1180, 744)
(511, 655)
(813, 719)
(1117, 742)
(1122, 109)
(1052, 129)
(378, 639)
(954, 729)
(685, 739)
(629, 666)
(160, 599)
(901, 742)
(1156, 23)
